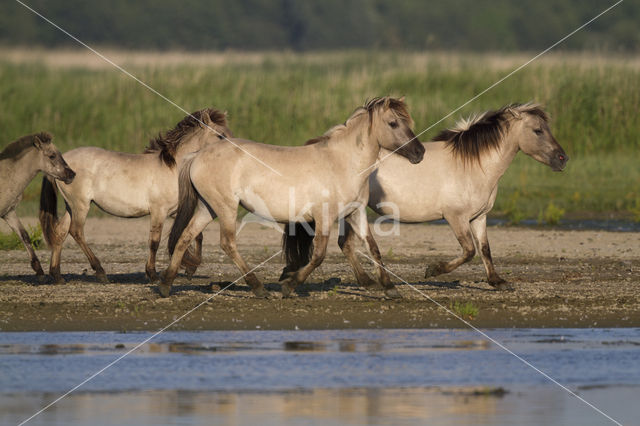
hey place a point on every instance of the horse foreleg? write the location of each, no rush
(76, 230)
(358, 221)
(16, 225)
(228, 245)
(155, 233)
(461, 229)
(320, 241)
(479, 229)
(200, 219)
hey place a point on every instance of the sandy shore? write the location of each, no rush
(561, 279)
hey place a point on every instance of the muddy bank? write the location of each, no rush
(562, 279)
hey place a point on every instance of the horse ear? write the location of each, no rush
(401, 99)
(206, 119)
(387, 103)
(38, 143)
(515, 113)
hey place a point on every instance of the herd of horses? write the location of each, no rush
(199, 171)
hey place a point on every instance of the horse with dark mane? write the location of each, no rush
(319, 183)
(20, 162)
(126, 185)
(458, 180)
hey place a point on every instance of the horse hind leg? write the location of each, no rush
(461, 229)
(60, 234)
(77, 232)
(16, 225)
(196, 260)
(479, 229)
(228, 244)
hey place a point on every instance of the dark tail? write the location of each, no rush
(297, 246)
(48, 209)
(187, 202)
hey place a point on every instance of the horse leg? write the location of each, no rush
(155, 233)
(16, 225)
(346, 242)
(228, 245)
(320, 241)
(76, 229)
(461, 229)
(61, 232)
(479, 229)
(359, 224)
(191, 269)
(200, 219)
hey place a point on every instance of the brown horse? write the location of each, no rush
(320, 183)
(20, 162)
(126, 185)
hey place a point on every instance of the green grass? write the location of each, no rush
(287, 98)
(465, 310)
(11, 241)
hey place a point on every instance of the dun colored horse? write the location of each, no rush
(126, 185)
(317, 183)
(20, 161)
(459, 179)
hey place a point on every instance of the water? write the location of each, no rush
(322, 377)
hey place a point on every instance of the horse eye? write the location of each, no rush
(52, 157)
(393, 124)
(538, 131)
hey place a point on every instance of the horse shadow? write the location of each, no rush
(451, 285)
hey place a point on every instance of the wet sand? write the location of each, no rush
(561, 279)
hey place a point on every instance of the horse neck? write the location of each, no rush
(496, 163)
(185, 148)
(25, 169)
(357, 142)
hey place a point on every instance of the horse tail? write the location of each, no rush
(187, 202)
(48, 210)
(297, 246)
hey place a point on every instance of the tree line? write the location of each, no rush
(463, 25)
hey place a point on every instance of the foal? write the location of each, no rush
(126, 185)
(459, 179)
(321, 183)
(20, 161)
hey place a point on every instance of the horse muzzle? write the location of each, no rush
(558, 161)
(414, 151)
(69, 175)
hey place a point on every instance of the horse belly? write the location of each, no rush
(123, 204)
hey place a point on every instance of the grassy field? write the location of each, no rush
(285, 98)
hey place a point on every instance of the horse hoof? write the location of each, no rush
(392, 293)
(165, 290)
(287, 291)
(58, 280)
(260, 293)
(41, 278)
(190, 272)
(102, 277)
(503, 286)
(432, 270)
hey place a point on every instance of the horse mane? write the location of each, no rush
(470, 138)
(398, 106)
(16, 149)
(167, 144)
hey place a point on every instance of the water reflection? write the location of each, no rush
(319, 406)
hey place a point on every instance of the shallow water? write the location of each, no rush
(327, 377)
